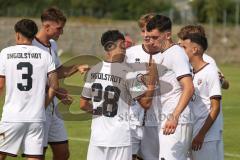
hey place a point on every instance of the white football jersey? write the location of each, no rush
(137, 58)
(175, 65)
(210, 60)
(52, 50)
(111, 88)
(207, 86)
(25, 69)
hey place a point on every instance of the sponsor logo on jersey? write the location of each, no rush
(199, 81)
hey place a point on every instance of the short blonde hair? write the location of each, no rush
(144, 19)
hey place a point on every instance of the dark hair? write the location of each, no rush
(197, 38)
(27, 28)
(53, 14)
(111, 36)
(160, 22)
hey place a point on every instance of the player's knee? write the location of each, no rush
(2, 157)
(61, 153)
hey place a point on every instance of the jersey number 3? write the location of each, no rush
(25, 76)
(110, 105)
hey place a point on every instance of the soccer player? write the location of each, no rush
(128, 40)
(199, 29)
(144, 125)
(205, 102)
(224, 83)
(53, 22)
(25, 70)
(175, 121)
(111, 86)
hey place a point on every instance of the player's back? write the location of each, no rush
(109, 86)
(25, 69)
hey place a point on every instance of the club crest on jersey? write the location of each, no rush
(199, 81)
(137, 60)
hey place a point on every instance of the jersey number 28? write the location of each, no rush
(110, 105)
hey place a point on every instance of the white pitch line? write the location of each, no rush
(78, 139)
(232, 155)
(87, 140)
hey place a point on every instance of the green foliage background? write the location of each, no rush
(114, 9)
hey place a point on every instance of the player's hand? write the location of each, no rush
(170, 125)
(83, 68)
(152, 73)
(197, 142)
(63, 96)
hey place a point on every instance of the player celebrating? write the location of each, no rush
(53, 22)
(144, 125)
(175, 121)
(25, 69)
(205, 102)
(111, 87)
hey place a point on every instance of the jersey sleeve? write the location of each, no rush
(2, 64)
(54, 47)
(181, 65)
(86, 91)
(210, 60)
(214, 84)
(51, 64)
(135, 86)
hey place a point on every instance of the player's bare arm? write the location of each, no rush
(223, 80)
(63, 96)
(215, 109)
(52, 88)
(151, 78)
(67, 71)
(187, 93)
(86, 105)
(2, 84)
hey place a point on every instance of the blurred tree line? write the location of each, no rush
(115, 9)
(215, 11)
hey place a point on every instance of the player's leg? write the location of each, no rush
(47, 124)
(95, 152)
(150, 144)
(60, 151)
(119, 153)
(32, 158)
(11, 136)
(209, 151)
(136, 137)
(176, 146)
(32, 145)
(3, 156)
(57, 139)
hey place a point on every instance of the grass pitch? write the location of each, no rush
(79, 129)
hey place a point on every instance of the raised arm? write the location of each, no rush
(67, 71)
(86, 105)
(150, 81)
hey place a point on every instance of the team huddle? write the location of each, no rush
(170, 93)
